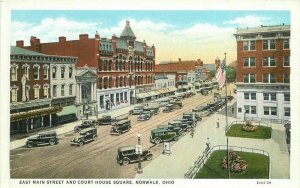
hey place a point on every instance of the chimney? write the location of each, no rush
(179, 60)
(34, 41)
(83, 37)
(62, 39)
(20, 43)
(97, 36)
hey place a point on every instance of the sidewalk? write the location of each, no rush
(70, 126)
(188, 149)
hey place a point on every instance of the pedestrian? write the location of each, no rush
(218, 123)
(207, 145)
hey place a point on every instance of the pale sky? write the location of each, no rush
(188, 35)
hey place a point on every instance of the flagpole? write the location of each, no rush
(227, 144)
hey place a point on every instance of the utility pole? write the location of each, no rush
(139, 152)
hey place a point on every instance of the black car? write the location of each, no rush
(127, 154)
(85, 136)
(173, 127)
(86, 124)
(168, 108)
(120, 127)
(189, 115)
(105, 120)
(144, 116)
(163, 135)
(119, 118)
(184, 124)
(44, 138)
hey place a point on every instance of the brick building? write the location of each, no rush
(36, 98)
(263, 72)
(125, 67)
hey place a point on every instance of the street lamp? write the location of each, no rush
(139, 150)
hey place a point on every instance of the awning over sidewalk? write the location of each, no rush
(68, 110)
(152, 93)
(34, 113)
(142, 95)
(172, 89)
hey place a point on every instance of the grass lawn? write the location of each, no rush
(258, 167)
(262, 132)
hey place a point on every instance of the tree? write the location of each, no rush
(231, 74)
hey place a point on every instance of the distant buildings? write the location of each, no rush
(263, 73)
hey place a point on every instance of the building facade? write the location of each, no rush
(263, 73)
(34, 92)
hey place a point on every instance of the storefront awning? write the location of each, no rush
(152, 93)
(68, 110)
(142, 95)
(171, 89)
(34, 113)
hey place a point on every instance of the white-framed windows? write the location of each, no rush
(250, 96)
(249, 61)
(270, 110)
(46, 72)
(14, 94)
(269, 44)
(26, 71)
(269, 78)
(269, 62)
(36, 91)
(269, 96)
(249, 45)
(62, 90)
(71, 89)
(286, 97)
(250, 109)
(70, 72)
(54, 72)
(249, 78)
(46, 91)
(286, 61)
(286, 78)
(287, 111)
(36, 72)
(54, 90)
(14, 72)
(62, 72)
(286, 44)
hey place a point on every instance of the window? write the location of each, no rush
(105, 65)
(101, 101)
(71, 89)
(13, 73)
(117, 99)
(250, 96)
(109, 65)
(117, 81)
(250, 109)
(125, 81)
(36, 72)
(286, 61)
(121, 81)
(36, 92)
(286, 96)
(100, 65)
(110, 82)
(270, 110)
(70, 72)
(286, 44)
(249, 78)
(62, 72)
(100, 83)
(121, 97)
(54, 90)
(286, 78)
(287, 111)
(269, 78)
(249, 62)
(249, 45)
(62, 90)
(14, 95)
(125, 96)
(269, 44)
(26, 72)
(45, 72)
(105, 82)
(269, 61)
(269, 96)
(116, 64)
(46, 91)
(54, 72)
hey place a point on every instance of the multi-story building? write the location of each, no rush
(125, 67)
(165, 85)
(40, 88)
(263, 73)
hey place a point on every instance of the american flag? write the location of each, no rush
(221, 74)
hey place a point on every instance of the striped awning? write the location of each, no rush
(68, 110)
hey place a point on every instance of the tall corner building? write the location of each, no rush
(263, 73)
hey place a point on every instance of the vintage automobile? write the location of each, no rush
(45, 138)
(168, 108)
(127, 154)
(119, 118)
(204, 92)
(136, 110)
(106, 119)
(87, 135)
(163, 135)
(174, 127)
(153, 108)
(190, 116)
(86, 124)
(145, 115)
(120, 127)
(183, 124)
(205, 113)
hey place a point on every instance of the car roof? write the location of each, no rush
(122, 121)
(87, 129)
(47, 132)
(162, 126)
(162, 129)
(106, 115)
(126, 148)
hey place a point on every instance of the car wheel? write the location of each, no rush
(29, 145)
(157, 140)
(51, 142)
(94, 137)
(80, 143)
(125, 161)
(149, 158)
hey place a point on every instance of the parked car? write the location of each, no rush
(87, 135)
(146, 115)
(168, 108)
(105, 120)
(153, 108)
(205, 113)
(120, 127)
(45, 138)
(183, 124)
(127, 154)
(204, 92)
(119, 118)
(173, 127)
(191, 115)
(137, 110)
(163, 135)
(86, 124)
